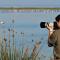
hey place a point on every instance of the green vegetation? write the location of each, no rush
(27, 8)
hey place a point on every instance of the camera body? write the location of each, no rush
(44, 25)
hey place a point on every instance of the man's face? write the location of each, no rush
(58, 23)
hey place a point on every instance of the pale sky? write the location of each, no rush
(29, 3)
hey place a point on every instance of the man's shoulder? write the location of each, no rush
(57, 31)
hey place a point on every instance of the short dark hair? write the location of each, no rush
(57, 18)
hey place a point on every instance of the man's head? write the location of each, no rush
(58, 20)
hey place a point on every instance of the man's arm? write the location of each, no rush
(49, 35)
(52, 38)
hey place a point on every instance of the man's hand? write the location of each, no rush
(50, 30)
(50, 27)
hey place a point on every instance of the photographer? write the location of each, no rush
(54, 38)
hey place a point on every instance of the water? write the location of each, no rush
(29, 24)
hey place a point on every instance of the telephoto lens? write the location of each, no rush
(44, 25)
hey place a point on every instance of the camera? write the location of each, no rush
(44, 25)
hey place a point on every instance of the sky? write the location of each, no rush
(29, 3)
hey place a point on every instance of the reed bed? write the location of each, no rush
(8, 52)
